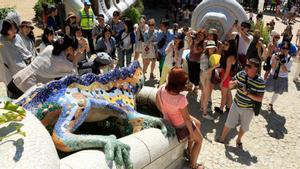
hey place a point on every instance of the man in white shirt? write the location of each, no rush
(243, 39)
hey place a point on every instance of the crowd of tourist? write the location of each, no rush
(234, 63)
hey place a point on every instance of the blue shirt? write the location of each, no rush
(170, 37)
(293, 49)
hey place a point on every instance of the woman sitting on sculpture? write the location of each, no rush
(173, 105)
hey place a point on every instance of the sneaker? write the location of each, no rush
(218, 110)
(208, 117)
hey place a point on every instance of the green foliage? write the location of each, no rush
(263, 29)
(5, 11)
(133, 14)
(139, 5)
(38, 7)
(12, 112)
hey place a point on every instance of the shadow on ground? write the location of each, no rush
(208, 126)
(275, 124)
(297, 85)
(151, 82)
(239, 155)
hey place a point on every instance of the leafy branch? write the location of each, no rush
(12, 112)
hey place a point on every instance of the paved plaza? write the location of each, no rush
(273, 140)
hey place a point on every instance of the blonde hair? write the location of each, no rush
(151, 21)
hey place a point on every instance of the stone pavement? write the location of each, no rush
(273, 140)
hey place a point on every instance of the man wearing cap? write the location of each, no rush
(102, 63)
(243, 39)
(87, 18)
(23, 44)
(97, 30)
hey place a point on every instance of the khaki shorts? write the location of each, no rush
(238, 115)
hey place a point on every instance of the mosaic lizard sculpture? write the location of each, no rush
(65, 104)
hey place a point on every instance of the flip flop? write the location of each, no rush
(222, 142)
(198, 166)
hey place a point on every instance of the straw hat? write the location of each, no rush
(70, 15)
(26, 23)
(210, 44)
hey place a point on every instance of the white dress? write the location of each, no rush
(149, 50)
(44, 68)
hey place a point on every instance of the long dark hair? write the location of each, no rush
(129, 24)
(232, 48)
(106, 29)
(47, 31)
(7, 24)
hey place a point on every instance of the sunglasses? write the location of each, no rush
(151, 25)
(285, 48)
(250, 66)
(226, 44)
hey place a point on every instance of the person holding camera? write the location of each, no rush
(277, 81)
(250, 91)
(83, 44)
(164, 37)
(173, 57)
(243, 39)
(272, 48)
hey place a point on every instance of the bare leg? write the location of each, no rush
(240, 135)
(196, 147)
(224, 92)
(153, 61)
(229, 98)
(224, 133)
(136, 55)
(204, 97)
(145, 65)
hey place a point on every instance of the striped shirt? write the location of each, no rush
(255, 86)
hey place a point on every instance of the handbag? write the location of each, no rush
(162, 42)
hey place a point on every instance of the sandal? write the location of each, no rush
(239, 145)
(222, 142)
(270, 108)
(198, 166)
(219, 110)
